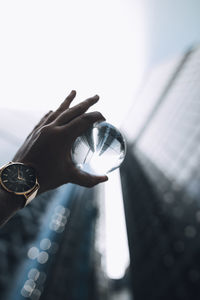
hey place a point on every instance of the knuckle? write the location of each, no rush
(44, 130)
(69, 110)
(48, 114)
(58, 110)
(51, 117)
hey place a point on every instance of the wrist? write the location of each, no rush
(9, 205)
(11, 201)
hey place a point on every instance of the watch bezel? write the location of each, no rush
(36, 185)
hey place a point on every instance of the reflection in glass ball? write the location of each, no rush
(100, 150)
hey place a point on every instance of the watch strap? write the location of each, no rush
(31, 195)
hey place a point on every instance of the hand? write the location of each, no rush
(48, 147)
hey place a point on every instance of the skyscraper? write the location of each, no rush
(161, 182)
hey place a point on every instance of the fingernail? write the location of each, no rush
(102, 119)
(96, 97)
(103, 179)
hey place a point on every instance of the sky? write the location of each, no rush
(50, 47)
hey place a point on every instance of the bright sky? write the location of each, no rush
(50, 47)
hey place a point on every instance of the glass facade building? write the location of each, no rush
(161, 184)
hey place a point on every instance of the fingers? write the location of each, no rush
(87, 180)
(66, 103)
(80, 124)
(41, 122)
(76, 111)
(63, 107)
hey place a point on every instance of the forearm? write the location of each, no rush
(9, 205)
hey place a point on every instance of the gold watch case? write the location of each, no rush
(27, 193)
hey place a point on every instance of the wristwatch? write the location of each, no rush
(19, 179)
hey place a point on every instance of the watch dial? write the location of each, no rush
(18, 178)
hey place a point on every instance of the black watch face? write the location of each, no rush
(18, 178)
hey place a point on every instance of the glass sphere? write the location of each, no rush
(100, 150)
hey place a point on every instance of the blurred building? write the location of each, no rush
(160, 180)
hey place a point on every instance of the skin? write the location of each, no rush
(48, 150)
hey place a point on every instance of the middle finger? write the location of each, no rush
(76, 111)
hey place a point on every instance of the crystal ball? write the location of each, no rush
(100, 150)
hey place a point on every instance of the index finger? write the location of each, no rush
(76, 111)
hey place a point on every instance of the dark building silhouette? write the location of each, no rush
(161, 189)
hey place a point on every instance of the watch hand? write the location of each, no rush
(18, 174)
